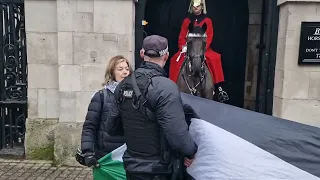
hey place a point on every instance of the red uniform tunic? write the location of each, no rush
(213, 59)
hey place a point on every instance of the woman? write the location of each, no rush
(95, 142)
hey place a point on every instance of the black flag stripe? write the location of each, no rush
(295, 143)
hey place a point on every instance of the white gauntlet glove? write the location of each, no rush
(184, 49)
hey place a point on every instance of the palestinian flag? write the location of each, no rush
(111, 166)
(235, 143)
(238, 144)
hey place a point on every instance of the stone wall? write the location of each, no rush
(69, 43)
(296, 88)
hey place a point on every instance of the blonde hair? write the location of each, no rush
(109, 74)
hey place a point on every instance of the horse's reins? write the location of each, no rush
(194, 89)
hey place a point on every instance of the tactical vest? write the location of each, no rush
(141, 130)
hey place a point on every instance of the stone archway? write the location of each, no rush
(230, 19)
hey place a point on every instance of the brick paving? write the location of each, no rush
(40, 170)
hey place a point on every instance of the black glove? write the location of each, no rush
(90, 160)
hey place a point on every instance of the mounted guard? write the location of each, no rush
(212, 59)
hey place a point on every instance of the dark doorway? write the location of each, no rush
(230, 21)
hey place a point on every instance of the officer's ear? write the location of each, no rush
(142, 53)
(166, 56)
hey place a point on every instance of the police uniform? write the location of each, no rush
(152, 119)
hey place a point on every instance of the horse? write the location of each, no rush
(194, 76)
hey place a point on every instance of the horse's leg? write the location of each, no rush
(209, 86)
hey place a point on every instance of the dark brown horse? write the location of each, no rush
(194, 76)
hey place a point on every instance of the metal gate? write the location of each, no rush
(13, 78)
(267, 57)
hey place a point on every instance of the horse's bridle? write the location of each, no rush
(193, 90)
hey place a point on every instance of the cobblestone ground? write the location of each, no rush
(40, 170)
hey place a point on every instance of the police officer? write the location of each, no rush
(150, 114)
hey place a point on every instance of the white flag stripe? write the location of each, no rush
(222, 155)
(118, 153)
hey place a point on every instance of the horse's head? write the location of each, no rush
(196, 47)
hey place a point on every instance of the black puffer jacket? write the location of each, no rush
(143, 135)
(94, 135)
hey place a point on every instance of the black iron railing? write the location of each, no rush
(13, 77)
(267, 57)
